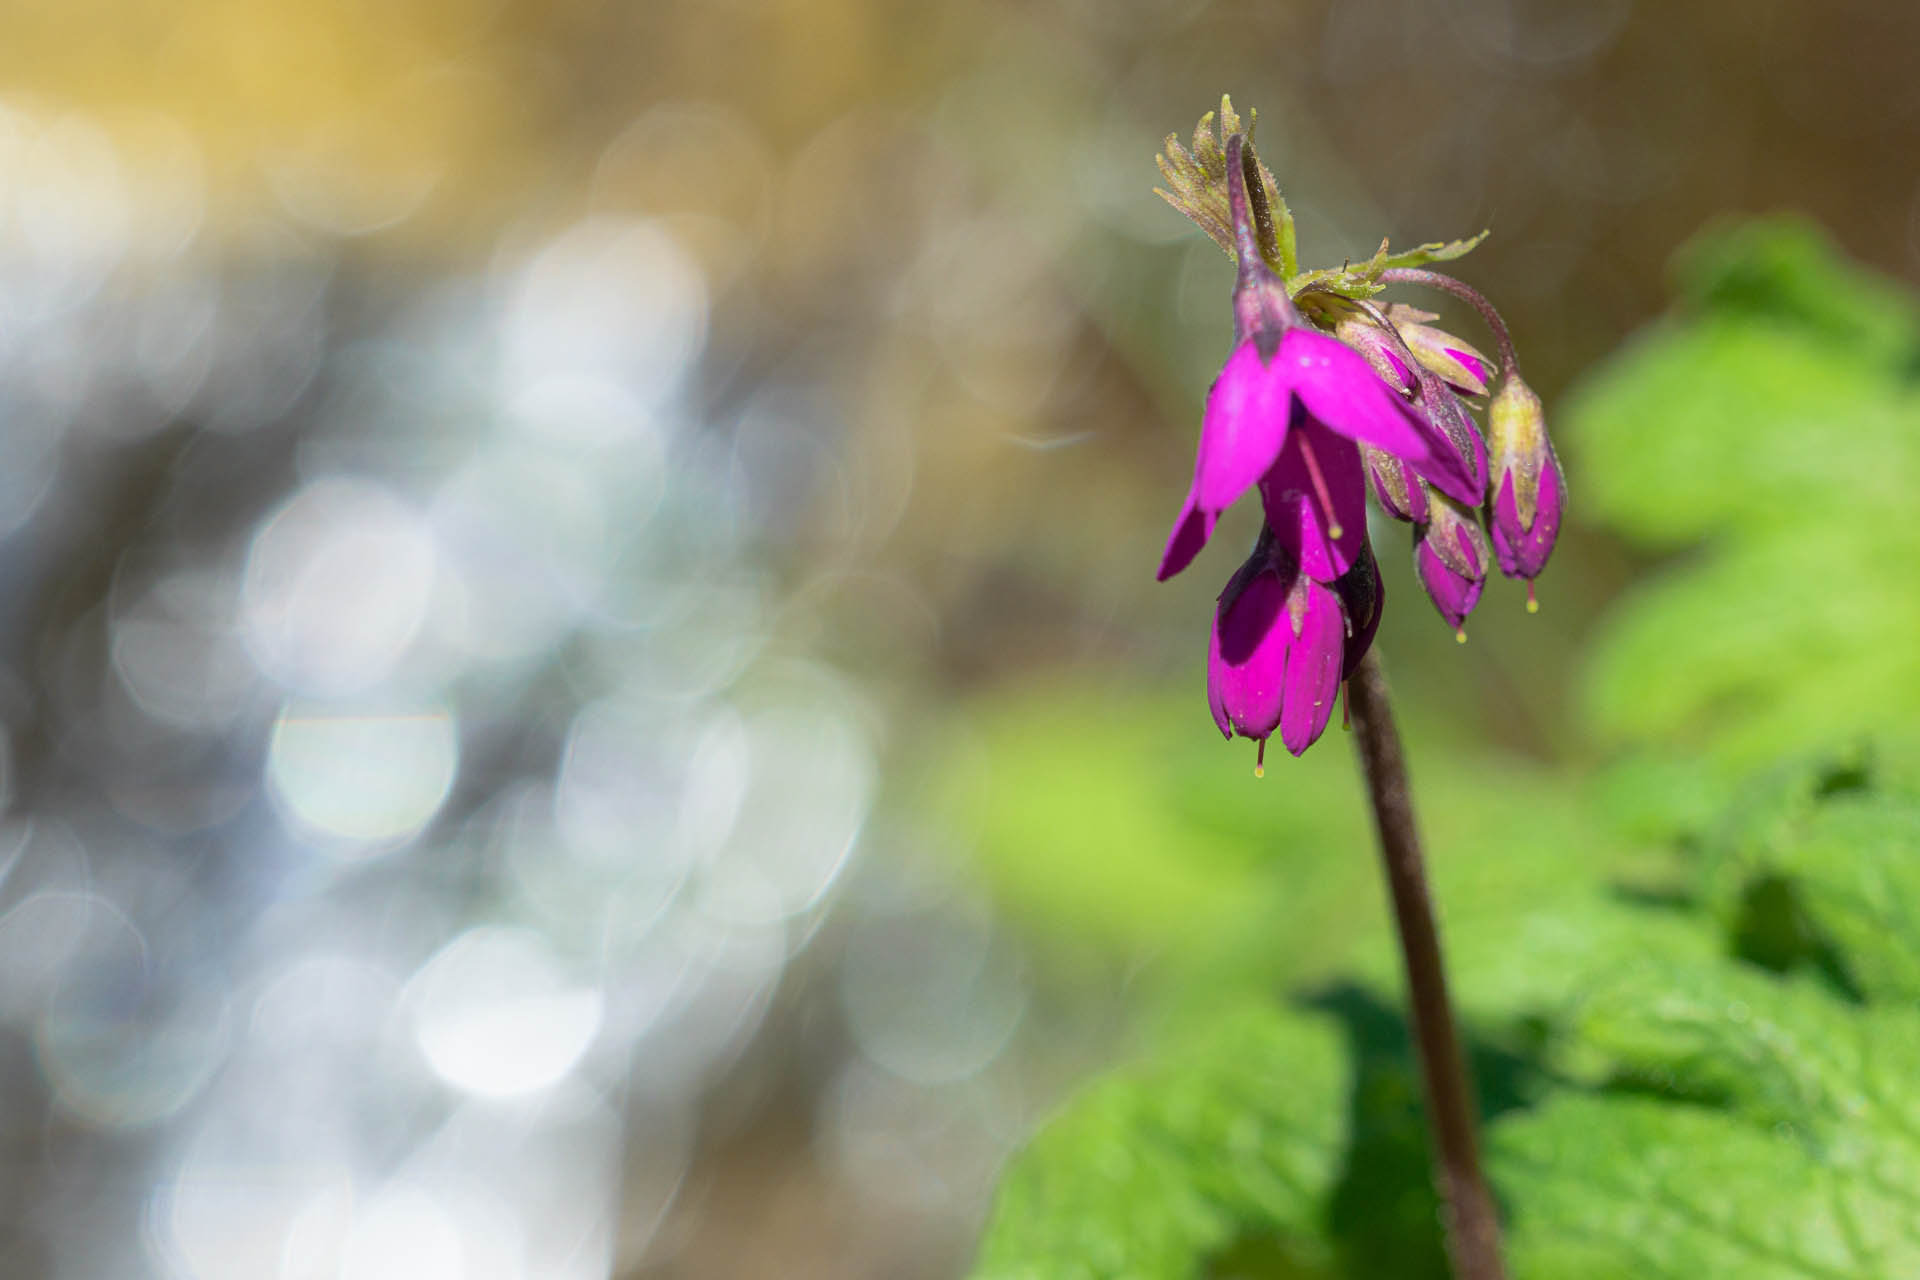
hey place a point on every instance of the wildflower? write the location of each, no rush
(1314, 410)
(1528, 492)
(1277, 652)
(1283, 371)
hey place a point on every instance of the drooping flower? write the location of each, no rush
(1314, 412)
(1283, 371)
(1277, 652)
(1528, 490)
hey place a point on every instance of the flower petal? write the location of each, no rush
(1296, 512)
(1453, 594)
(1523, 550)
(1340, 389)
(1247, 654)
(1313, 669)
(1248, 411)
(1191, 529)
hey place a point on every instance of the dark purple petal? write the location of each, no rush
(1313, 668)
(1296, 512)
(1191, 529)
(1363, 596)
(1245, 427)
(1247, 654)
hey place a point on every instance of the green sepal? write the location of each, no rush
(1198, 178)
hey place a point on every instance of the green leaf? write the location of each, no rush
(1151, 1173)
(1436, 251)
(1817, 871)
(1785, 270)
(1772, 426)
(1772, 1130)
(1727, 425)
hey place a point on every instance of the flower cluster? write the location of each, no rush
(1326, 394)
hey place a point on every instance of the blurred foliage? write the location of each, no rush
(1771, 429)
(1690, 999)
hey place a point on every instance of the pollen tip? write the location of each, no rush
(1533, 601)
(1334, 531)
(1460, 636)
(1260, 760)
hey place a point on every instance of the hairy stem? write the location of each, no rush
(1466, 293)
(1473, 1232)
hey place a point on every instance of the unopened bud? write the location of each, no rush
(1528, 490)
(1450, 553)
(1453, 358)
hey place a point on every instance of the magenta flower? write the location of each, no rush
(1277, 652)
(1284, 373)
(1313, 420)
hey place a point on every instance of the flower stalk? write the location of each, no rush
(1472, 1229)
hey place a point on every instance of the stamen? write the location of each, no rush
(1260, 760)
(1319, 487)
(1461, 635)
(1533, 602)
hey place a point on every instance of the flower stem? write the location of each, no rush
(1467, 294)
(1473, 1232)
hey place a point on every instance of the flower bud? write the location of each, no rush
(1441, 408)
(1275, 656)
(1450, 553)
(1454, 359)
(1378, 348)
(1395, 487)
(1528, 491)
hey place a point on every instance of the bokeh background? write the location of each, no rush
(531, 534)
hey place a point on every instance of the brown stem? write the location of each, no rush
(1473, 1232)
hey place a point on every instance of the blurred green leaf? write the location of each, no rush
(1785, 271)
(1772, 426)
(1151, 1173)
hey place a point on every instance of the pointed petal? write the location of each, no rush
(1191, 529)
(1313, 669)
(1521, 549)
(1478, 371)
(1245, 427)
